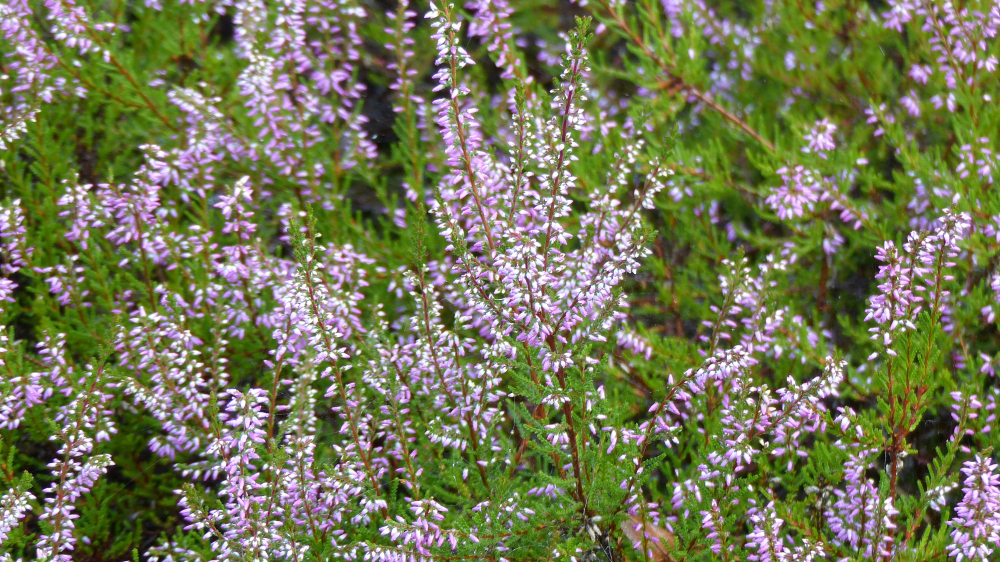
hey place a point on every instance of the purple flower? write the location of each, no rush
(820, 138)
(891, 307)
(976, 525)
(800, 190)
(82, 421)
(860, 518)
(911, 102)
(920, 73)
(13, 505)
(764, 541)
(30, 63)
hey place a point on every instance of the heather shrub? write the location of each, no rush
(657, 280)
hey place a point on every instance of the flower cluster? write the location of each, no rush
(976, 524)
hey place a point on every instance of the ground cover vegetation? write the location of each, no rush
(518, 280)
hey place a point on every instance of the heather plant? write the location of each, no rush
(656, 280)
